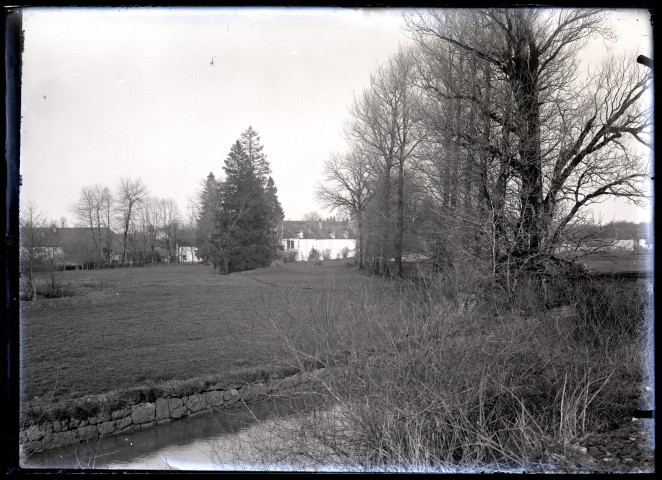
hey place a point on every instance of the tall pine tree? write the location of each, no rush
(209, 202)
(245, 235)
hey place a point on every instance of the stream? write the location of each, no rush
(219, 440)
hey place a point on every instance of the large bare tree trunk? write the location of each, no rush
(129, 193)
(400, 229)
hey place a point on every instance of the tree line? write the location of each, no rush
(143, 223)
(234, 225)
(487, 140)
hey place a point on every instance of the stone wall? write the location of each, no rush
(57, 433)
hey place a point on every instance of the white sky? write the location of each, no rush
(117, 92)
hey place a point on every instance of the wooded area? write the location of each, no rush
(488, 141)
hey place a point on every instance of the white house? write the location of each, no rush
(624, 245)
(332, 236)
(613, 245)
(644, 245)
(187, 254)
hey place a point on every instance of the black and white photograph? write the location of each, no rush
(329, 239)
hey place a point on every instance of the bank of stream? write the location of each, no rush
(127, 427)
(224, 439)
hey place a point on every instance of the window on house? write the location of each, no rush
(290, 244)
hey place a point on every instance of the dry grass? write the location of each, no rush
(618, 262)
(459, 383)
(449, 376)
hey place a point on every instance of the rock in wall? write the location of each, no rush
(58, 433)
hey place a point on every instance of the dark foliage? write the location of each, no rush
(245, 233)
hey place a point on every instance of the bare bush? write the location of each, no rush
(459, 382)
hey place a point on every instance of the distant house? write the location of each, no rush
(187, 253)
(643, 245)
(73, 247)
(624, 245)
(564, 248)
(615, 245)
(303, 236)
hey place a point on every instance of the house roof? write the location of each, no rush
(323, 229)
(186, 243)
(59, 237)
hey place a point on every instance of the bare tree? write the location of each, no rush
(457, 163)
(94, 210)
(385, 123)
(84, 210)
(31, 220)
(154, 222)
(559, 143)
(144, 226)
(171, 219)
(311, 216)
(129, 193)
(346, 188)
(107, 202)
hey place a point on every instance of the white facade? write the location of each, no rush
(625, 245)
(304, 245)
(187, 255)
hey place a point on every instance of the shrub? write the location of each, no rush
(448, 386)
(313, 255)
(610, 310)
(326, 254)
(55, 287)
(25, 288)
(290, 256)
(345, 252)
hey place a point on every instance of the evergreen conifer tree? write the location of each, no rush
(209, 202)
(245, 236)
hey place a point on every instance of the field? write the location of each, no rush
(437, 379)
(130, 327)
(618, 262)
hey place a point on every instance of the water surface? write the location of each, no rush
(219, 440)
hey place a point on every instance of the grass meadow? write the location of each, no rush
(433, 376)
(129, 327)
(609, 262)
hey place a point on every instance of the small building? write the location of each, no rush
(614, 245)
(187, 253)
(643, 246)
(623, 245)
(331, 237)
